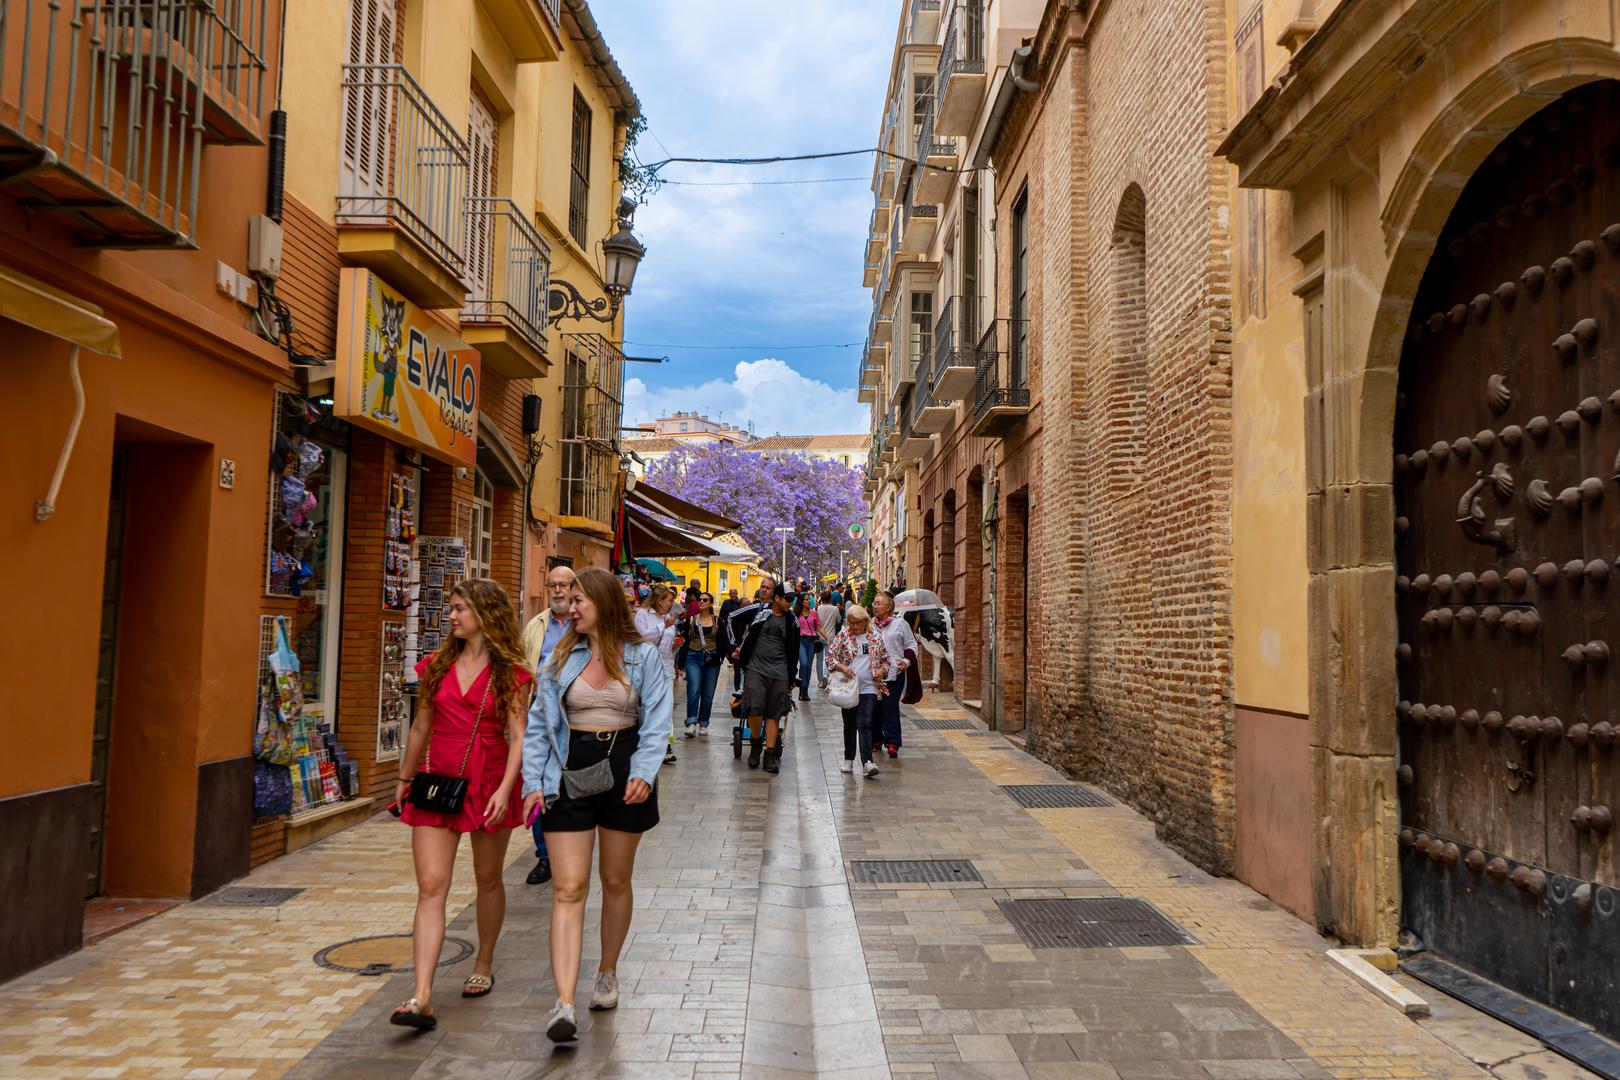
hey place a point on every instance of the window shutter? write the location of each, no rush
(483, 139)
(368, 108)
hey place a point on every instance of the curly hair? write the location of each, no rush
(498, 620)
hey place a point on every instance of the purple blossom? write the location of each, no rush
(819, 499)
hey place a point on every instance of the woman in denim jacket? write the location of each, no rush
(603, 697)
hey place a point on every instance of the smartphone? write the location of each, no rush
(534, 814)
(394, 808)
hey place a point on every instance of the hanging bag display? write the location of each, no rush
(437, 792)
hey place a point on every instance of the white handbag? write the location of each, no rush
(843, 690)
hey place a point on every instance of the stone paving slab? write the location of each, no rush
(752, 955)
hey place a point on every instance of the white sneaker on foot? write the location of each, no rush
(606, 995)
(869, 770)
(561, 1025)
(846, 767)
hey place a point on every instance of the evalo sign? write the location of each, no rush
(402, 373)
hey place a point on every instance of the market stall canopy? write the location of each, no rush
(686, 515)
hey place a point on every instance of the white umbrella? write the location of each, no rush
(917, 600)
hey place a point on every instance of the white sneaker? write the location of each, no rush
(869, 770)
(561, 1026)
(847, 767)
(606, 995)
(691, 731)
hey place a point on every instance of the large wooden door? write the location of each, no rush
(1508, 554)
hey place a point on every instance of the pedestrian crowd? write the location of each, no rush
(562, 728)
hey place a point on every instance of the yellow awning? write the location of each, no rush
(52, 311)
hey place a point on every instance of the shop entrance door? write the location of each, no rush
(106, 672)
(1507, 538)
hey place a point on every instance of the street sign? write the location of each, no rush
(857, 531)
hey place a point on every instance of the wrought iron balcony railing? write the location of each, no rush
(509, 266)
(1001, 378)
(956, 334)
(404, 164)
(105, 107)
(930, 144)
(962, 52)
(593, 409)
(554, 9)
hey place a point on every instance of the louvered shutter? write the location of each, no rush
(368, 108)
(483, 137)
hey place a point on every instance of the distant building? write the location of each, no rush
(648, 448)
(688, 427)
(849, 450)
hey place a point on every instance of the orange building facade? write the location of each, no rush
(319, 386)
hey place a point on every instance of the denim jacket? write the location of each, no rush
(545, 741)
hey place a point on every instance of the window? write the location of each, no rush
(1018, 331)
(725, 580)
(572, 499)
(579, 195)
(922, 329)
(367, 119)
(683, 426)
(922, 96)
(967, 326)
(481, 555)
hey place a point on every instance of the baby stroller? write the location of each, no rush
(741, 734)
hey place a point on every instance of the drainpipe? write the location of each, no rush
(1002, 107)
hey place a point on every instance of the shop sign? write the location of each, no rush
(402, 373)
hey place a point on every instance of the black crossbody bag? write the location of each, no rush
(437, 792)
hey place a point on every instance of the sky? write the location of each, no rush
(754, 274)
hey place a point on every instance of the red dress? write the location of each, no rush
(452, 720)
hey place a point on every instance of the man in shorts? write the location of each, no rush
(770, 659)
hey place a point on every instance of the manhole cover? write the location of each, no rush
(1054, 796)
(943, 725)
(1104, 922)
(913, 871)
(244, 896)
(386, 954)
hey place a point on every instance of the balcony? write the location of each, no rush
(593, 409)
(1001, 383)
(531, 29)
(928, 414)
(920, 221)
(956, 337)
(924, 27)
(876, 354)
(872, 272)
(402, 199)
(881, 328)
(960, 88)
(105, 108)
(915, 445)
(937, 176)
(509, 264)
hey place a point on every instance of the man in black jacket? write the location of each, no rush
(770, 659)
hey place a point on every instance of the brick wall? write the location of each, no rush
(1123, 473)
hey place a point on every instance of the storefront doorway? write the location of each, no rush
(106, 672)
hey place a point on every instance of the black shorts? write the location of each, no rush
(607, 810)
(769, 698)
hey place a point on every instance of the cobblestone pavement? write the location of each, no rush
(754, 953)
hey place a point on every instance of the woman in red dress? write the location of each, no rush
(472, 707)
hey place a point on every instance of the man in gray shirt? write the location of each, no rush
(770, 657)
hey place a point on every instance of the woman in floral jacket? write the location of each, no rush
(858, 652)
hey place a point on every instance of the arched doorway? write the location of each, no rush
(1507, 442)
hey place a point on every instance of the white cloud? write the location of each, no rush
(768, 393)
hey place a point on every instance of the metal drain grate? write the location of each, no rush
(1054, 796)
(984, 734)
(1104, 922)
(924, 724)
(245, 896)
(914, 871)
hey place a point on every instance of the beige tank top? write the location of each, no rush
(612, 708)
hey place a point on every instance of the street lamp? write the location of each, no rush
(784, 530)
(841, 553)
(622, 254)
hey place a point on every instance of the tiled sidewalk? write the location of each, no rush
(751, 955)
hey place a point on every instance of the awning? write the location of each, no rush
(686, 515)
(59, 314)
(651, 538)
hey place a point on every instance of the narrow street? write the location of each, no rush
(756, 952)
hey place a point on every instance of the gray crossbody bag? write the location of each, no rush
(597, 778)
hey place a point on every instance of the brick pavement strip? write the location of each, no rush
(751, 955)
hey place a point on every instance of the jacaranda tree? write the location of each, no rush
(819, 499)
